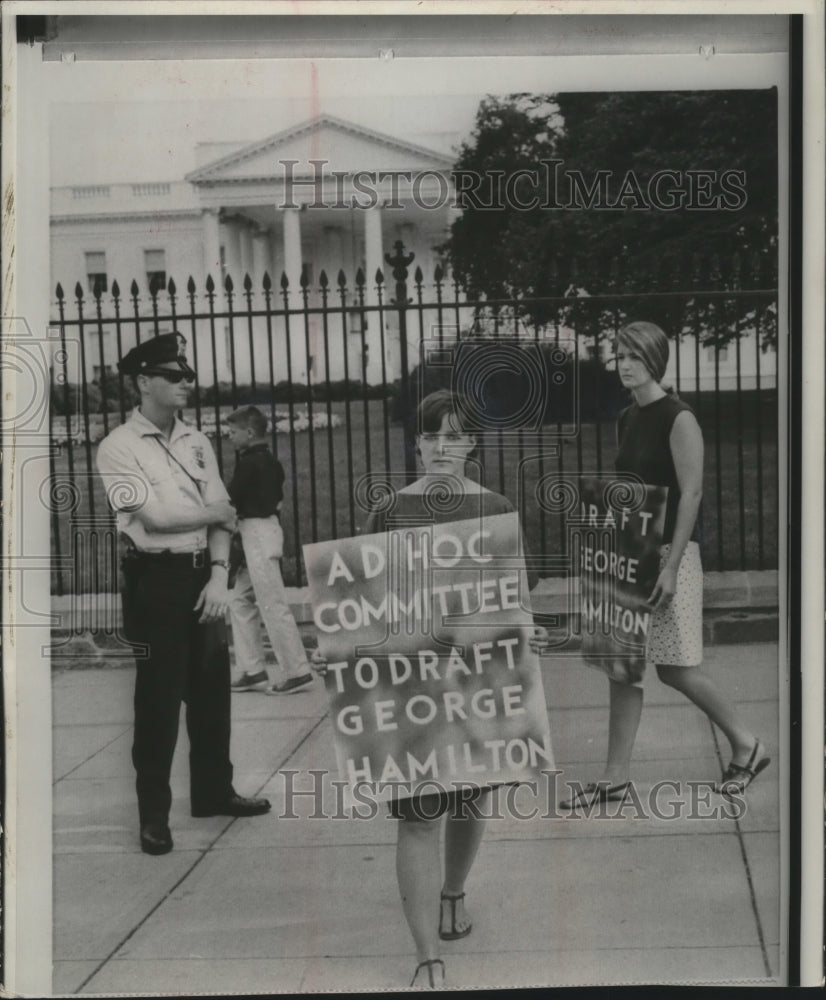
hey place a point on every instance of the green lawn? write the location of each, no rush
(327, 466)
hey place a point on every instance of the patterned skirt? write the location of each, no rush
(676, 635)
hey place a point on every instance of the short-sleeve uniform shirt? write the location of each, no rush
(139, 466)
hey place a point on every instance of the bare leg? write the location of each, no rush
(419, 875)
(463, 835)
(707, 696)
(623, 723)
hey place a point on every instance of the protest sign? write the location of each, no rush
(430, 676)
(617, 533)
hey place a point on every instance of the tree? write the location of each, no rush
(631, 193)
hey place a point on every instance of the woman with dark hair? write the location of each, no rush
(660, 441)
(444, 493)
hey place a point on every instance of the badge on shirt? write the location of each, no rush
(198, 452)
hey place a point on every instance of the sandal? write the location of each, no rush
(429, 964)
(595, 792)
(738, 777)
(452, 934)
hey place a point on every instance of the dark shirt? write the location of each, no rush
(645, 449)
(257, 483)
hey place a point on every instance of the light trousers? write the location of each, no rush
(259, 595)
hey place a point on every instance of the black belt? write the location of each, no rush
(197, 560)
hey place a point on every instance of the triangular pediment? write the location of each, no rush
(344, 146)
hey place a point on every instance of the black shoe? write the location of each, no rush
(248, 682)
(235, 805)
(290, 685)
(155, 838)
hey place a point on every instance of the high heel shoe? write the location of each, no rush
(451, 934)
(429, 965)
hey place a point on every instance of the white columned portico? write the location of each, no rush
(373, 261)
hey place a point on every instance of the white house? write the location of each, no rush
(325, 195)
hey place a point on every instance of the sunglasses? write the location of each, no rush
(170, 375)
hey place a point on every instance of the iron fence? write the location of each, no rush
(339, 370)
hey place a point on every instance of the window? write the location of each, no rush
(154, 262)
(96, 271)
(107, 371)
(711, 351)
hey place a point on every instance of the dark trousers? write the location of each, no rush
(183, 661)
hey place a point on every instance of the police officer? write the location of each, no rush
(175, 519)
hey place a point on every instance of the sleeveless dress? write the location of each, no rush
(676, 635)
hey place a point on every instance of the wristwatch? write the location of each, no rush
(220, 562)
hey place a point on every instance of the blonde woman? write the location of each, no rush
(660, 441)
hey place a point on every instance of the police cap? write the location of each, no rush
(165, 349)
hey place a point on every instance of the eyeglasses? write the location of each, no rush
(170, 375)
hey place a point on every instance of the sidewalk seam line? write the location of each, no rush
(191, 868)
(749, 881)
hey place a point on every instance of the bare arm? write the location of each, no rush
(686, 442)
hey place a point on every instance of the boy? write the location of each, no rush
(256, 491)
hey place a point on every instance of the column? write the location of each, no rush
(292, 248)
(247, 267)
(212, 247)
(332, 259)
(373, 260)
(260, 264)
(232, 244)
(292, 268)
(260, 257)
(276, 263)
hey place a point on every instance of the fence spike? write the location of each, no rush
(59, 292)
(228, 285)
(133, 289)
(379, 276)
(418, 277)
(341, 280)
(438, 274)
(154, 287)
(285, 281)
(247, 283)
(210, 284)
(305, 278)
(359, 278)
(79, 292)
(170, 286)
(190, 285)
(266, 281)
(97, 291)
(323, 280)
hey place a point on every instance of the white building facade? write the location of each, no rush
(303, 201)
(323, 197)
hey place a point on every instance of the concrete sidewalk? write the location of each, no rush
(277, 905)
